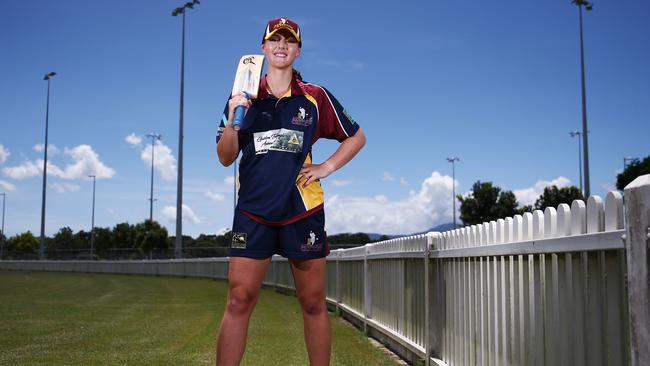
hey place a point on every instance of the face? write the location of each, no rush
(281, 50)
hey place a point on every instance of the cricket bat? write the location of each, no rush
(247, 80)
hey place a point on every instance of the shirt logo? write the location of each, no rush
(238, 241)
(301, 119)
(352, 121)
(278, 140)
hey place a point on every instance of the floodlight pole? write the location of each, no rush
(2, 235)
(588, 6)
(179, 189)
(453, 161)
(41, 249)
(574, 134)
(92, 230)
(153, 137)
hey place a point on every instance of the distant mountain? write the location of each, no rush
(440, 228)
(444, 227)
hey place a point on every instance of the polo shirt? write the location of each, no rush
(276, 138)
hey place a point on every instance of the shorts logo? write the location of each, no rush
(310, 245)
(238, 241)
(301, 119)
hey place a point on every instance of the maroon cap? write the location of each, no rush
(277, 24)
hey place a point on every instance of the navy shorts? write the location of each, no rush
(303, 239)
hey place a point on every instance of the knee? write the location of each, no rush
(240, 302)
(313, 304)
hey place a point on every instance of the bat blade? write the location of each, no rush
(248, 76)
(247, 80)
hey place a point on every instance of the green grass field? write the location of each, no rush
(51, 318)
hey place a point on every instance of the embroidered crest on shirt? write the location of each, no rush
(278, 140)
(301, 119)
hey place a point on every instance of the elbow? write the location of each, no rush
(223, 158)
(224, 161)
(362, 138)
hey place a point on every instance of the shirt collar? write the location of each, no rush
(296, 88)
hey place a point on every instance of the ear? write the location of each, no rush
(299, 50)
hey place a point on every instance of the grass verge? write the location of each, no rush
(88, 319)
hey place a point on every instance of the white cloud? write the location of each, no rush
(528, 196)
(4, 154)
(26, 170)
(388, 177)
(339, 182)
(215, 196)
(163, 161)
(169, 212)
(420, 211)
(65, 187)
(51, 149)
(608, 186)
(85, 162)
(403, 182)
(6, 186)
(229, 181)
(223, 231)
(133, 139)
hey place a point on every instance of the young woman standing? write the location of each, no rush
(280, 207)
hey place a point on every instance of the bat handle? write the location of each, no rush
(240, 111)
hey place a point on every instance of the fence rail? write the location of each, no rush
(557, 287)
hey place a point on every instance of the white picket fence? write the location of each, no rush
(559, 287)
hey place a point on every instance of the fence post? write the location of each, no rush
(427, 301)
(337, 289)
(637, 204)
(366, 289)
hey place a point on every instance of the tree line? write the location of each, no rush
(488, 202)
(147, 239)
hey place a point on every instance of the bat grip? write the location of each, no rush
(240, 111)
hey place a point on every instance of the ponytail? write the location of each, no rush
(297, 75)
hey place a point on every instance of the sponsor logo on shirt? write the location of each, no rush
(349, 117)
(278, 140)
(238, 241)
(301, 119)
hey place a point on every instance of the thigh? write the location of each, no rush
(247, 273)
(252, 239)
(309, 277)
(305, 239)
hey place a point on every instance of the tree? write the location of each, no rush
(25, 242)
(554, 196)
(123, 236)
(63, 239)
(150, 235)
(486, 203)
(633, 170)
(102, 239)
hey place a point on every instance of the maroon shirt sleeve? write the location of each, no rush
(333, 120)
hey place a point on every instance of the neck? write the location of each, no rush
(279, 80)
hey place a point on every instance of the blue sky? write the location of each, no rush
(494, 83)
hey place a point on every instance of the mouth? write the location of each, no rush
(280, 54)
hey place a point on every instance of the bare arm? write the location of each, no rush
(228, 146)
(345, 152)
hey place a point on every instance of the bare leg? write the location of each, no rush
(309, 277)
(245, 277)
